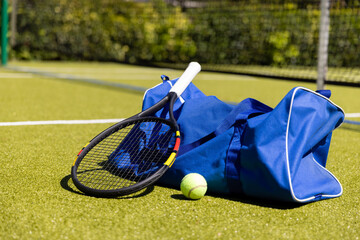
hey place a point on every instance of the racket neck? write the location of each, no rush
(152, 110)
(172, 99)
(168, 99)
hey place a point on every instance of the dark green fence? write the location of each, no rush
(270, 38)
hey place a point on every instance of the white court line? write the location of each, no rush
(60, 122)
(95, 121)
(352, 115)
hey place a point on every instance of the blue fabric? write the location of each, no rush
(252, 149)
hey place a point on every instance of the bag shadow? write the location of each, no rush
(249, 200)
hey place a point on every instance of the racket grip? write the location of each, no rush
(191, 71)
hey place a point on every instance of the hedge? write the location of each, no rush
(227, 33)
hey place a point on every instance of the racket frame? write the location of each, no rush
(192, 70)
(146, 114)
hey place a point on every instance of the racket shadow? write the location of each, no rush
(67, 184)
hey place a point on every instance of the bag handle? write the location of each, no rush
(244, 110)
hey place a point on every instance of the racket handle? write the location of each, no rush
(191, 71)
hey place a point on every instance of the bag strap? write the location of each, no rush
(241, 112)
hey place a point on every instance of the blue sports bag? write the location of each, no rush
(252, 149)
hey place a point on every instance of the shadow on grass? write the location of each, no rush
(64, 183)
(248, 200)
(266, 203)
(351, 127)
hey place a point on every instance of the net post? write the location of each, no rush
(4, 29)
(323, 44)
(13, 21)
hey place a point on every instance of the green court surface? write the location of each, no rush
(39, 201)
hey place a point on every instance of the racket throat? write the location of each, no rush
(152, 110)
(172, 99)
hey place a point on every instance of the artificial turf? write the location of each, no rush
(39, 201)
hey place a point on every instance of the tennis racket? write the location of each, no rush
(134, 153)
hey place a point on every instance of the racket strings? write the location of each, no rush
(128, 172)
(127, 156)
(147, 164)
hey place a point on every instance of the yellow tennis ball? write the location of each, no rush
(193, 186)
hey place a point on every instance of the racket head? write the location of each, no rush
(134, 153)
(126, 157)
